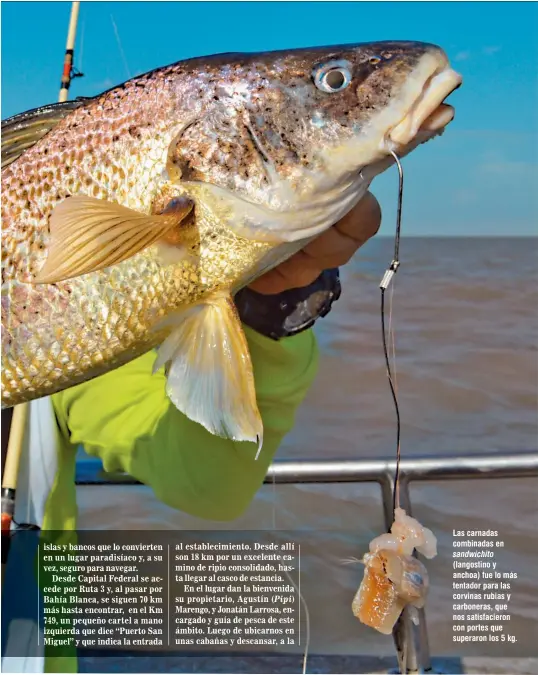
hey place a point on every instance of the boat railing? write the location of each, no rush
(382, 471)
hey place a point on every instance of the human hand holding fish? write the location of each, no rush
(333, 248)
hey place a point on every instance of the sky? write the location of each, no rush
(479, 178)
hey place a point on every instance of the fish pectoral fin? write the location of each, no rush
(209, 370)
(90, 234)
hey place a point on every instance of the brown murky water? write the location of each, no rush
(466, 325)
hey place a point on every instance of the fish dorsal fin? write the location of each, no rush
(24, 130)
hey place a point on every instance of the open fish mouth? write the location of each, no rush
(428, 112)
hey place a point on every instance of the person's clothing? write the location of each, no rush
(126, 419)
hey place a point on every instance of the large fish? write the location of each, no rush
(131, 219)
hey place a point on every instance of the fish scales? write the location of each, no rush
(115, 149)
(134, 220)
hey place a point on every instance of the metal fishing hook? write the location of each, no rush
(396, 258)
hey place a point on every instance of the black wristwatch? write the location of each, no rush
(291, 312)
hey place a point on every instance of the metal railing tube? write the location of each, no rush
(460, 467)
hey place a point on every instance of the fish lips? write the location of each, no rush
(428, 112)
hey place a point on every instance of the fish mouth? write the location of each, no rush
(428, 112)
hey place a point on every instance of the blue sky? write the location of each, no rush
(480, 178)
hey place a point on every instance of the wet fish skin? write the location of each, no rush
(248, 137)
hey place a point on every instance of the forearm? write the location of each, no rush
(126, 419)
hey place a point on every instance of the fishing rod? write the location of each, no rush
(69, 71)
(10, 474)
(17, 428)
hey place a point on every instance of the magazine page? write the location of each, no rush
(269, 333)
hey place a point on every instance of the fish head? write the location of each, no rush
(343, 108)
(302, 133)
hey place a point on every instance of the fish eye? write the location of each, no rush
(332, 77)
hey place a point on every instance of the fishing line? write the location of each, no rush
(392, 336)
(385, 282)
(120, 47)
